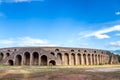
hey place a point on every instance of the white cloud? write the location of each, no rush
(31, 41)
(102, 34)
(16, 1)
(6, 42)
(117, 13)
(25, 41)
(116, 44)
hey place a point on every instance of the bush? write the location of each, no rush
(118, 55)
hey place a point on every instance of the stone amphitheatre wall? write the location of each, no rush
(44, 56)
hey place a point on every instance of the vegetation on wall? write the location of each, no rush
(118, 55)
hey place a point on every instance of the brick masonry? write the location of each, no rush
(44, 56)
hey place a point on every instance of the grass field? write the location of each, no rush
(101, 72)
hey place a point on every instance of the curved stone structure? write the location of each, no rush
(55, 56)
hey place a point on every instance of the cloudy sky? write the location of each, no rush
(65, 23)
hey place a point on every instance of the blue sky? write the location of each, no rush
(64, 23)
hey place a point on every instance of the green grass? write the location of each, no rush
(18, 72)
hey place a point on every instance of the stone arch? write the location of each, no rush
(93, 59)
(44, 60)
(66, 56)
(79, 50)
(59, 57)
(84, 58)
(73, 59)
(89, 59)
(72, 50)
(52, 62)
(10, 62)
(1, 56)
(56, 50)
(7, 54)
(85, 50)
(26, 58)
(94, 51)
(15, 49)
(35, 58)
(52, 53)
(18, 60)
(102, 52)
(79, 58)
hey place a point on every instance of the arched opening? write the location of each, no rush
(72, 50)
(78, 50)
(85, 50)
(73, 59)
(102, 52)
(52, 63)
(52, 53)
(59, 57)
(35, 58)
(7, 54)
(94, 51)
(84, 58)
(15, 49)
(66, 59)
(44, 60)
(56, 50)
(89, 59)
(79, 58)
(10, 62)
(1, 56)
(93, 59)
(27, 58)
(18, 60)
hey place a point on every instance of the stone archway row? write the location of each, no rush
(80, 59)
(28, 59)
(2, 56)
(62, 59)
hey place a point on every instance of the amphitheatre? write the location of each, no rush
(45, 56)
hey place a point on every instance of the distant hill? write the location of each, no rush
(116, 51)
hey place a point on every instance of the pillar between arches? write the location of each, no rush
(39, 62)
(76, 59)
(82, 61)
(86, 59)
(31, 59)
(63, 59)
(94, 59)
(22, 60)
(91, 62)
(69, 59)
(97, 60)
